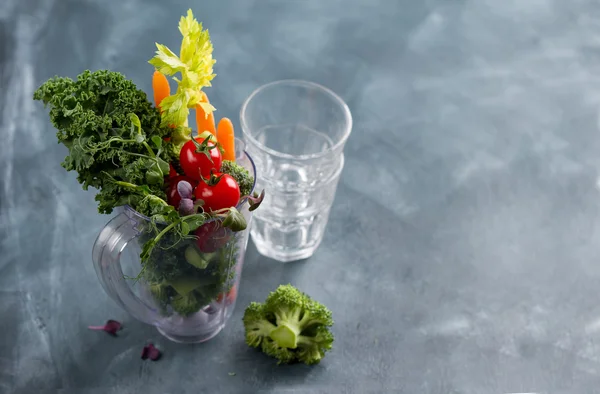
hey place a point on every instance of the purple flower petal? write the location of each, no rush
(151, 352)
(185, 189)
(111, 327)
(186, 207)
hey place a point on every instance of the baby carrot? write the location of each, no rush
(204, 123)
(226, 138)
(160, 87)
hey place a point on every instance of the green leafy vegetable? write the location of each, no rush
(195, 258)
(189, 279)
(194, 63)
(187, 304)
(185, 285)
(289, 326)
(105, 121)
(235, 220)
(121, 145)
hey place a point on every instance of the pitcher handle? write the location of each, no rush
(106, 255)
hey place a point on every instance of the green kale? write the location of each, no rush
(117, 145)
(113, 134)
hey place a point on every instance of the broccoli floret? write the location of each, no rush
(257, 326)
(289, 326)
(282, 354)
(188, 287)
(311, 349)
(240, 174)
(160, 292)
(187, 304)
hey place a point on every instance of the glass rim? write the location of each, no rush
(297, 82)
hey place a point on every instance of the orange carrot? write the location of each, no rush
(226, 138)
(204, 123)
(161, 88)
(230, 296)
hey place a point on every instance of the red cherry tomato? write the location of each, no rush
(198, 159)
(173, 197)
(212, 236)
(225, 193)
(172, 171)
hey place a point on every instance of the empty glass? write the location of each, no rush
(295, 131)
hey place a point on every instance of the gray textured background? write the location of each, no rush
(462, 253)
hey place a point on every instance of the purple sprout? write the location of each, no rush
(186, 207)
(111, 327)
(185, 189)
(151, 352)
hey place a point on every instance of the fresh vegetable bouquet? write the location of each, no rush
(146, 156)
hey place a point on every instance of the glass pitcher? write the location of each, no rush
(187, 289)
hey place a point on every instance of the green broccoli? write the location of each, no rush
(284, 355)
(184, 282)
(162, 295)
(240, 174)
(289, 326)
(160, 292)
(187, 304)
(258, 325)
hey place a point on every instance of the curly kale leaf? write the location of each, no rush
(105, 122)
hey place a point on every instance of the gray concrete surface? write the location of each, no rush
(462, 254)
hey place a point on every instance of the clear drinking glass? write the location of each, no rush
(190, 292)
(295, 131)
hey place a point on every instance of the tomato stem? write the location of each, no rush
(203, 147)
(213, 179)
